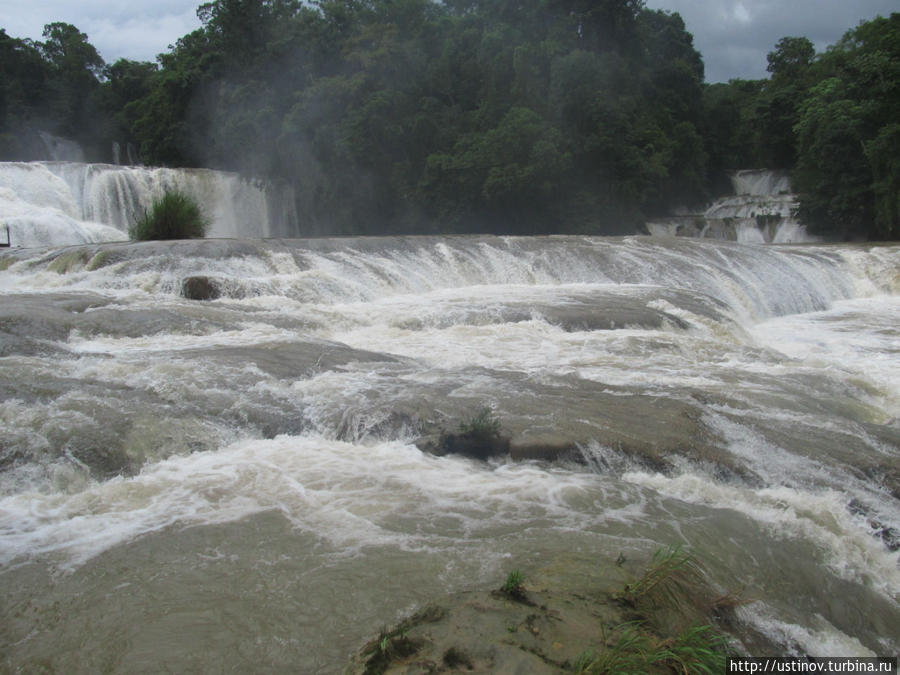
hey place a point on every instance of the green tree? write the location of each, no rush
(791, 58)
(507, 173)
(778, 105)
(24, 75)
(846, 135)
(833, 173)
(76, 68)
(125, 83)
(883, 153)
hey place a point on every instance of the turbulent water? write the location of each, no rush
(239, 480)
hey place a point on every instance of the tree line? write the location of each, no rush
(504, 116)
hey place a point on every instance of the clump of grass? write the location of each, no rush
(396, 645)
(722, 608)
(672, 575)
(699, 649)
(391, 645)
(477, 437)
(484, 423)
(514, 583)
(630, 653)
(174, 216)
(584, 661)
(514, 589)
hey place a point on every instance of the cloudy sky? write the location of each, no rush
(733, 35)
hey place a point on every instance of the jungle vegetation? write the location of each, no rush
(502, 116)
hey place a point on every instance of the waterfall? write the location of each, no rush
(760, 182)
(61, 203)
(761, 210)
(751, 283)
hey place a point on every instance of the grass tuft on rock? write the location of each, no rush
(483, 424)
(672, 576)
(631, 649)
(514, 587)
(477, 437)
(174, 216)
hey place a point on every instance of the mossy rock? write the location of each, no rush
(100, 259)
(68, 262)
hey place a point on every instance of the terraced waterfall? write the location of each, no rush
(249, 479)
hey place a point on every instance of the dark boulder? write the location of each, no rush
(474, 444)
(200, 288)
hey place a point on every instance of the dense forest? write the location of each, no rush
(505, 116)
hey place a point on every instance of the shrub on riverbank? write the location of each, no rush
(174, 216)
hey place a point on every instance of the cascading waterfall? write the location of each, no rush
(761, 210)
(62, 203)
(248, 477)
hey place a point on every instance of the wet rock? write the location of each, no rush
(473, 444)
(200, 288)
(889, 535)
(547, 447)
(573, 611)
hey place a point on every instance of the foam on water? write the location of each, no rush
(854, 339)
(248, 333)
(819, 516)
(352, 495)
(821, 639)
(277, 398)
(755, 283)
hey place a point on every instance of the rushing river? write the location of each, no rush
(235, 484)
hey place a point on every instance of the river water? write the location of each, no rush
(236, 484)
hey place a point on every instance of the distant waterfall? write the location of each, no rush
(761, 210)
(61, 203)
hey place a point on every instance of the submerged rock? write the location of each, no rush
(200, 288)
(575, 613)
(470, 444)
(547, 447)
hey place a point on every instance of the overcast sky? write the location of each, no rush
(734, 36)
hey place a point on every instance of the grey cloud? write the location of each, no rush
(734, 36)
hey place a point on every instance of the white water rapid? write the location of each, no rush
(63, 203)
(243, 480)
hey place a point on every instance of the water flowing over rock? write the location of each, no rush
(761, 211)
(62, 203)
(265, 450)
